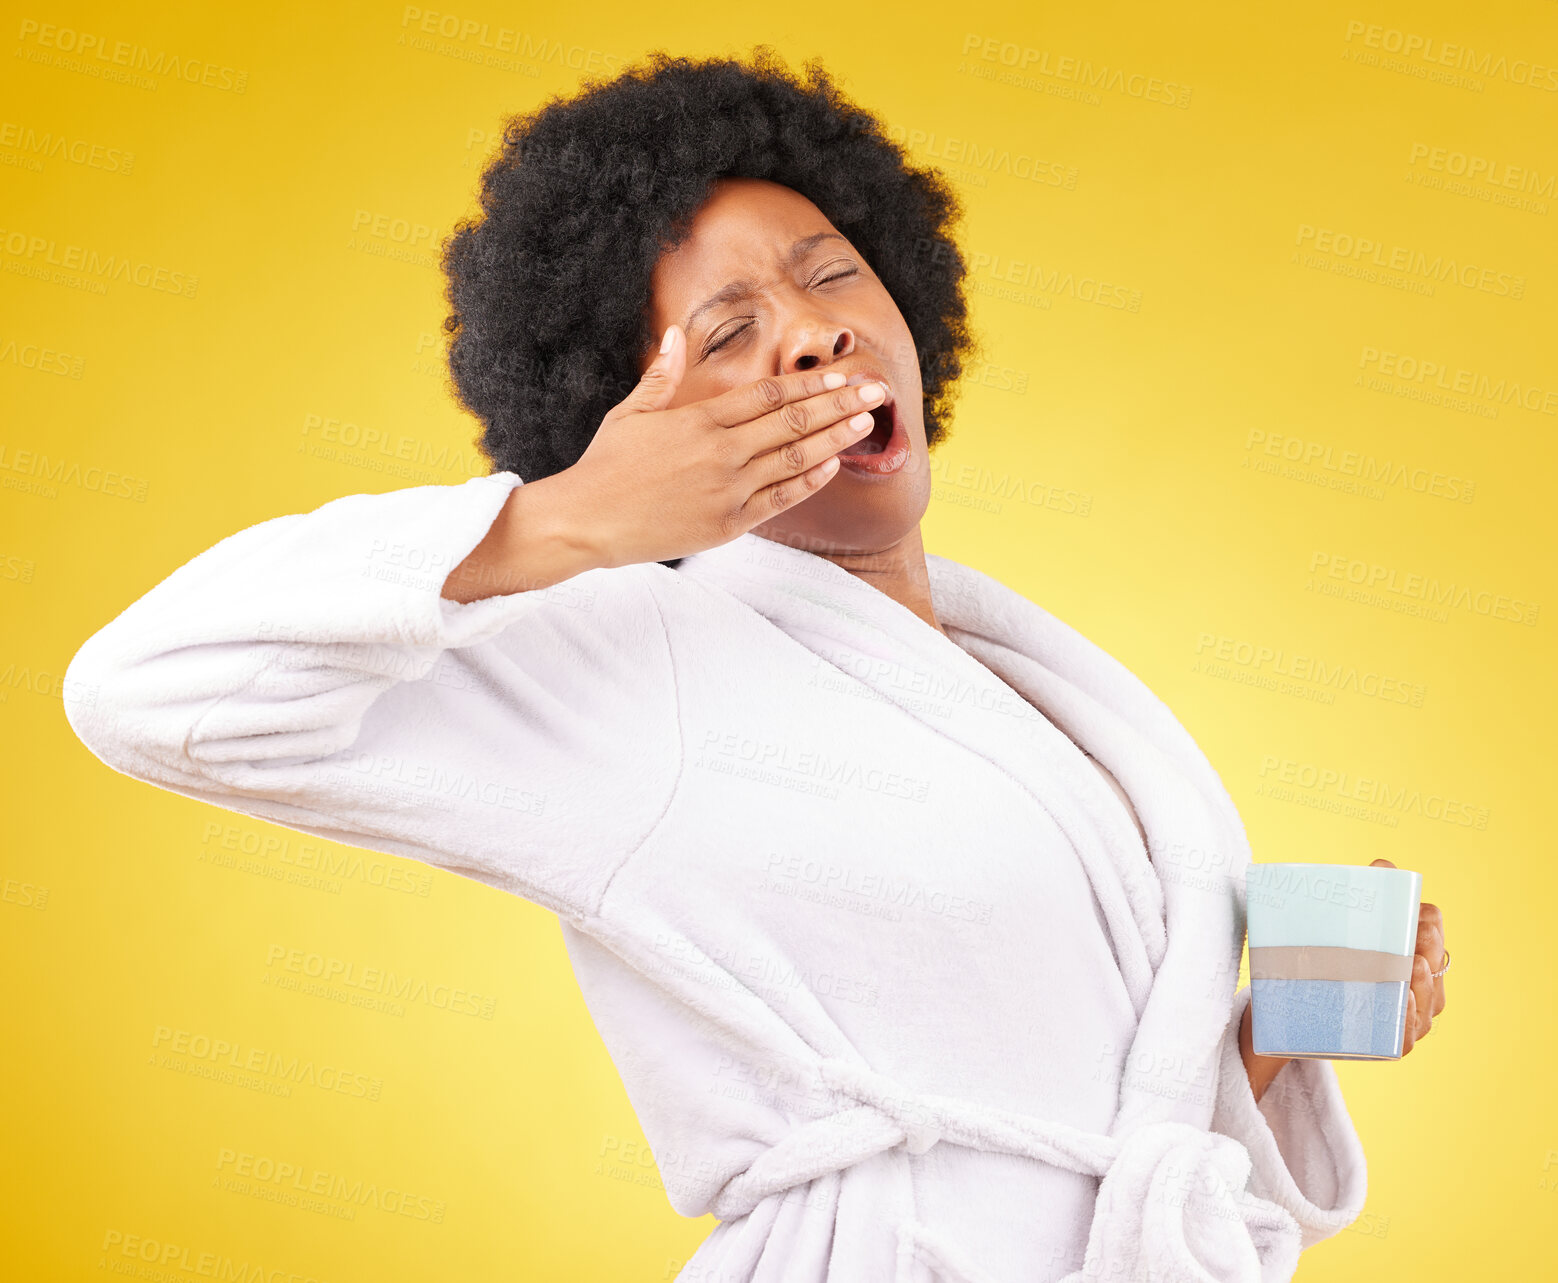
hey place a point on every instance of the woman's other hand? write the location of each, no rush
(1426, 997)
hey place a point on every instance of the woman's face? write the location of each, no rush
(825, 308)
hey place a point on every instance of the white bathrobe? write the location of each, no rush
(893, 984)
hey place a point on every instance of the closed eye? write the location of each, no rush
(730, 335)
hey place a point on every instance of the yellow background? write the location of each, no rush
(303, 214)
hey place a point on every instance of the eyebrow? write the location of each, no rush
(736, 291)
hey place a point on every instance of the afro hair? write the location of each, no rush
(549, 288)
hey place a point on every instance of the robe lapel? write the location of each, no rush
(1017, 686)
(1189, 900)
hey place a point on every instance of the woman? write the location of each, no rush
(911, 919)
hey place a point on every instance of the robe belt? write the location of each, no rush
(1165, 1186)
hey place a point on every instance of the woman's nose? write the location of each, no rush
(816, 343)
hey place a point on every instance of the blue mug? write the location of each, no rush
(1331, 949)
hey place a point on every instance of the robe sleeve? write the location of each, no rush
(308, 671)
(1305, 1153)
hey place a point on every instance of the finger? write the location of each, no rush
(794, 457)
(788, 492)
(800, 419)
(768, 396)
(657, 386)
(1430, 943)
(1422, 994)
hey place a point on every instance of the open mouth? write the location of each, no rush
(875, 441)
(884, 449)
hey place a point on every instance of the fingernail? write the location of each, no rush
(833, 379)
(670, 337)
(872, 391)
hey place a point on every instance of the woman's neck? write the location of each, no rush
(899, 571)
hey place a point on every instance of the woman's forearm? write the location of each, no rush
(536, 541)
(1260, 1069)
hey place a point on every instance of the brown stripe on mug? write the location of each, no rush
(1327, 962)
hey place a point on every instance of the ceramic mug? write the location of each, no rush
(1331, 949)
